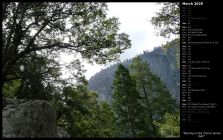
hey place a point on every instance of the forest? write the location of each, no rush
(33, 36)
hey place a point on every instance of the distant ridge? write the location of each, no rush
(163, 62)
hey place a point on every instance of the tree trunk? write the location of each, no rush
(145, 94)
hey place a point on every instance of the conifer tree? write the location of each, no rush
(126, 103)
(156, 99)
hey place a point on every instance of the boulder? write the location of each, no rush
(29, 119)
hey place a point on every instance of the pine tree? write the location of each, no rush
(126, 103)
(142, 74)
(155, 97)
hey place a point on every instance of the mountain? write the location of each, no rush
(164, 62)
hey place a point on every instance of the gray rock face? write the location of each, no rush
(29, 119)
(163, 64)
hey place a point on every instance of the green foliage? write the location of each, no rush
(170, 126)
(10, 89)
(126, 104)
(33, 36)
(38, 76)
(162, 101)
(35, 78)
(173, 44)
(142, 74)
(44, 26)
(99, 123)
(168, 19)
(155, 96)
(82, 115)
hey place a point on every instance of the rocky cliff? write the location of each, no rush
(24, 118)
(163, 62)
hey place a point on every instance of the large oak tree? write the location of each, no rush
(51, 27)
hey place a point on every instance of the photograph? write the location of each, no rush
(110, 70)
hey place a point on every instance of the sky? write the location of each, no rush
(135, 21)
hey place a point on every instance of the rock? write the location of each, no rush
(62, 133)
(163, 64)
(29, 119)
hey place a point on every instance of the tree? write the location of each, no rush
(168, 19)
(126, 103)
(141, 71)
(99, 123)
(155, 97)
(162, 100)
(35, 78)
(170, 126)
(142, 74)
(52, 27)
(79, 110)
(82, 115)
(107, 116)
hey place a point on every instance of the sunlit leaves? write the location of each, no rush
(170, 126)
